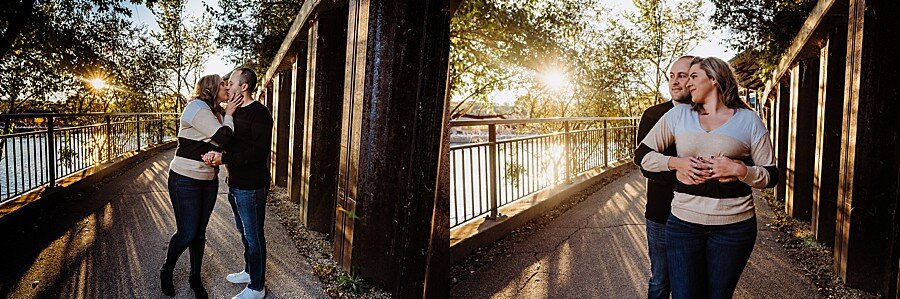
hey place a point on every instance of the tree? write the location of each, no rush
(61, 42)
(253, 30)
(764, 28)
(497, 45)
(667, 31)
(188, 43)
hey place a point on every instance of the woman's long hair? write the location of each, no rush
(206, 89)
(726, 83)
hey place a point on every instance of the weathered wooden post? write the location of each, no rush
(782, 120)
(321, 131)
(802, 136)
(297, 122)
(828, 135)
(393, 113)
(281, 108)
(866, 249)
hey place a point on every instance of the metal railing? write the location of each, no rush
(505, 160)
(37, 149)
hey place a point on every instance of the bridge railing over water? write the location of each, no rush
(37, 149)
(530, 155)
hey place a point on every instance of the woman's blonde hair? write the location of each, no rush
(726, 83)
(206, 89)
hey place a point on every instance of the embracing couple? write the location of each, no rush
(238, 137)
(701, 152)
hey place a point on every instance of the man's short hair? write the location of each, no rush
(688, 57)
(247, 76)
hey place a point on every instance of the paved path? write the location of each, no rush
(598, 249)
(111, 243)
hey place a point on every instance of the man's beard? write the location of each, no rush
(684, 98)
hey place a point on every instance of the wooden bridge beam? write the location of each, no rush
(828, 134)
(781, 134)
(297, 122)
(802, 136)
(321, 129)
(393, 115)
(866, 249)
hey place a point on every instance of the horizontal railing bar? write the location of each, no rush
(485, 143)
(469, 145)
(483, 122)
(58, 115)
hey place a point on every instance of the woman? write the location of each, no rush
(193, 185)
(712, 227)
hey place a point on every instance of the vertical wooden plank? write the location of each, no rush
(828, 136)
(297, 122)
(327, 52)
(782, 127)
(282, 123)
(272, 99)
(804, 100)
(357, 34)
(792, 141)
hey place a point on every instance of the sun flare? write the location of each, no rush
(98, 83)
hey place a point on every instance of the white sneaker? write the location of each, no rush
(247, 293)
(240, 277)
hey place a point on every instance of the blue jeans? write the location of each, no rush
(706, 261)
(192, 201)
(249, 207)
(659, 274)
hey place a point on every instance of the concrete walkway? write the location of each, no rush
(598, 249)
(111, 242)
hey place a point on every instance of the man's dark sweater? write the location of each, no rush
(659, 184)
(247, 155)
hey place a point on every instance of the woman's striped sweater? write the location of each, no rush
(200, 131)
(743, 137)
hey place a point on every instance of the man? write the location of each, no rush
(660, 185)
(246, 159)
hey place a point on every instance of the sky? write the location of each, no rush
(710, 46)
(218, 62)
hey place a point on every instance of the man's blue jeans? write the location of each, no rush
(659, 275)
(249, 207)
(706, 261)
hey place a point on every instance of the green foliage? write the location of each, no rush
(351, 283)
(666, 31)
(513, 172)
(189, 41)
(254, 29)
(613, 64)
(762, 27)
(62, 44)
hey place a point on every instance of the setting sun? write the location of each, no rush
(554, 79)
(98, 83)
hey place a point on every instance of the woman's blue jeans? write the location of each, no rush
(249, 207)
(706, 261)
(192, 201)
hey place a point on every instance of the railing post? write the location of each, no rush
(492, 158)
(567, 150)
(109, 137)
(605, 146)
(51, 152)
(160, 129)
(138, 126)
